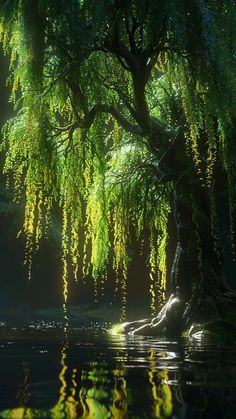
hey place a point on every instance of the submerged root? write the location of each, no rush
(148, 326)
(178, 315)
(220, 330)
(125, 328)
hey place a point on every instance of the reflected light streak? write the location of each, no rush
(161, 392)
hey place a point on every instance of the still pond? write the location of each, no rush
(47, 371)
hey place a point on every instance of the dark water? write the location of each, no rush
(46, 372)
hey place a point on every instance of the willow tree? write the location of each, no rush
(124, 117)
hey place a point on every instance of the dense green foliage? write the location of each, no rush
(103, 92)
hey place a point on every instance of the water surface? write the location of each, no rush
(49, 372)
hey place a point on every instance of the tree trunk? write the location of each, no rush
(197, 277)
(198, 291)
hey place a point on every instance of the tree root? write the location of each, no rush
(153, 325)
(177, 315)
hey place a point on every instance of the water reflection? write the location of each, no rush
(92, 375)
(161, 392)
(90, 393)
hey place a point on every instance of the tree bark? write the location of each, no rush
(197, 275)
(198, 290)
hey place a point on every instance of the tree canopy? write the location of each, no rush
(115, 103)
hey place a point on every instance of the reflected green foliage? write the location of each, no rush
(116, 103)
(98, 393)
(92, 374)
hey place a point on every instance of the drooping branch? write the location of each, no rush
(88, 120)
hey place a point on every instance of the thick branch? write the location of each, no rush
(123, 122)
(88, 120)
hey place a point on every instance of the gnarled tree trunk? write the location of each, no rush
(198, 290)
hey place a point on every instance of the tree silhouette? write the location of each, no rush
(125, 117)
